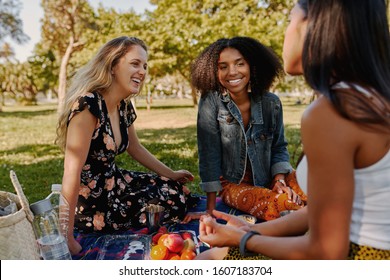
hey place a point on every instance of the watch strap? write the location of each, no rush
(244, 240)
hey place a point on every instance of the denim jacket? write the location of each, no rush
(225, 147)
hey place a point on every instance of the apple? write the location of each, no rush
(174, 242)
(186, 235)
(162, 229)
(156, 237)
(189, 244)
(162, 238)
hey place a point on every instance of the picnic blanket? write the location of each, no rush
(94, 246)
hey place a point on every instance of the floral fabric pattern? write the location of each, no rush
(110, 198)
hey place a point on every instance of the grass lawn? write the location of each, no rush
(168, 131)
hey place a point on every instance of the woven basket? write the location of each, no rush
(17, 238)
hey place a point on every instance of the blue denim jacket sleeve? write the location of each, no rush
(209, 144)
(280, 162)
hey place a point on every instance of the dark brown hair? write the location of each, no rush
(265, 66)
(349, 41)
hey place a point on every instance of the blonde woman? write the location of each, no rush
(96, 125)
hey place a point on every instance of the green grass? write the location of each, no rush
(168, 131)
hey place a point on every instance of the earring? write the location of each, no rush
(225, 92)
(249, 87)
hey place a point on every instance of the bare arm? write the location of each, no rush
(292, 224)
(78, 140)
(137, 151)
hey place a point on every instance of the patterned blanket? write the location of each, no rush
(130, 244)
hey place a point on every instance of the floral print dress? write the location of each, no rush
(112, 199)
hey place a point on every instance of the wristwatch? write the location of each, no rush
(244, 240)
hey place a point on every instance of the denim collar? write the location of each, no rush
(256, 106)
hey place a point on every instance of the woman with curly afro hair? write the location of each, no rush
(242, 148)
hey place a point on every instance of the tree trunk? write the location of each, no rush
(63, 75)
(194, 96)
(148, 97)
(193, 90)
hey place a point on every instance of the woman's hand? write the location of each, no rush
(218, 235)
(280, 187)
(182, 176)
(74, 246)
(232, 220)
(193, 216)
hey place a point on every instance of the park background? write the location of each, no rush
(176, 31)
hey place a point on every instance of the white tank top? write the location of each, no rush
(370, 221)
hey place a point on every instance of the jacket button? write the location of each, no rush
(249, 142)
(262, 137)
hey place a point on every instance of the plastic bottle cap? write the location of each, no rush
(56, 187)
(41, 206)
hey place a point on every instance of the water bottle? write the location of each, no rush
(51, 242)
(55, 197)
(61, 207)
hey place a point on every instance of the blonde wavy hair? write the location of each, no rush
(95, 76)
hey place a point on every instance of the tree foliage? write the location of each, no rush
(19, 82)
(10, 26)
(176, 31)
(10, 22)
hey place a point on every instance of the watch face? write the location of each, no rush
(250, 219)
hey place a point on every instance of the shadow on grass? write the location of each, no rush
(26, 114)
(38, 150)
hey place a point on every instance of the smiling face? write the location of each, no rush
(130, 71)
(233, 71)
(293, 41)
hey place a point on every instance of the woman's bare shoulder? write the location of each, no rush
(321, 112)
(322, 123)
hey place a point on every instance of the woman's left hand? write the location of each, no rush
(218, 235)
(182, 176)
(279, 187)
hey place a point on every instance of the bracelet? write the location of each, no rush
(281, 181)
(244, 240)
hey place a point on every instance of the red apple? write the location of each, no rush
(189, 244)
(186, 235)
(162, 229)
(162, 238)
(156, 237)
(174, 242)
